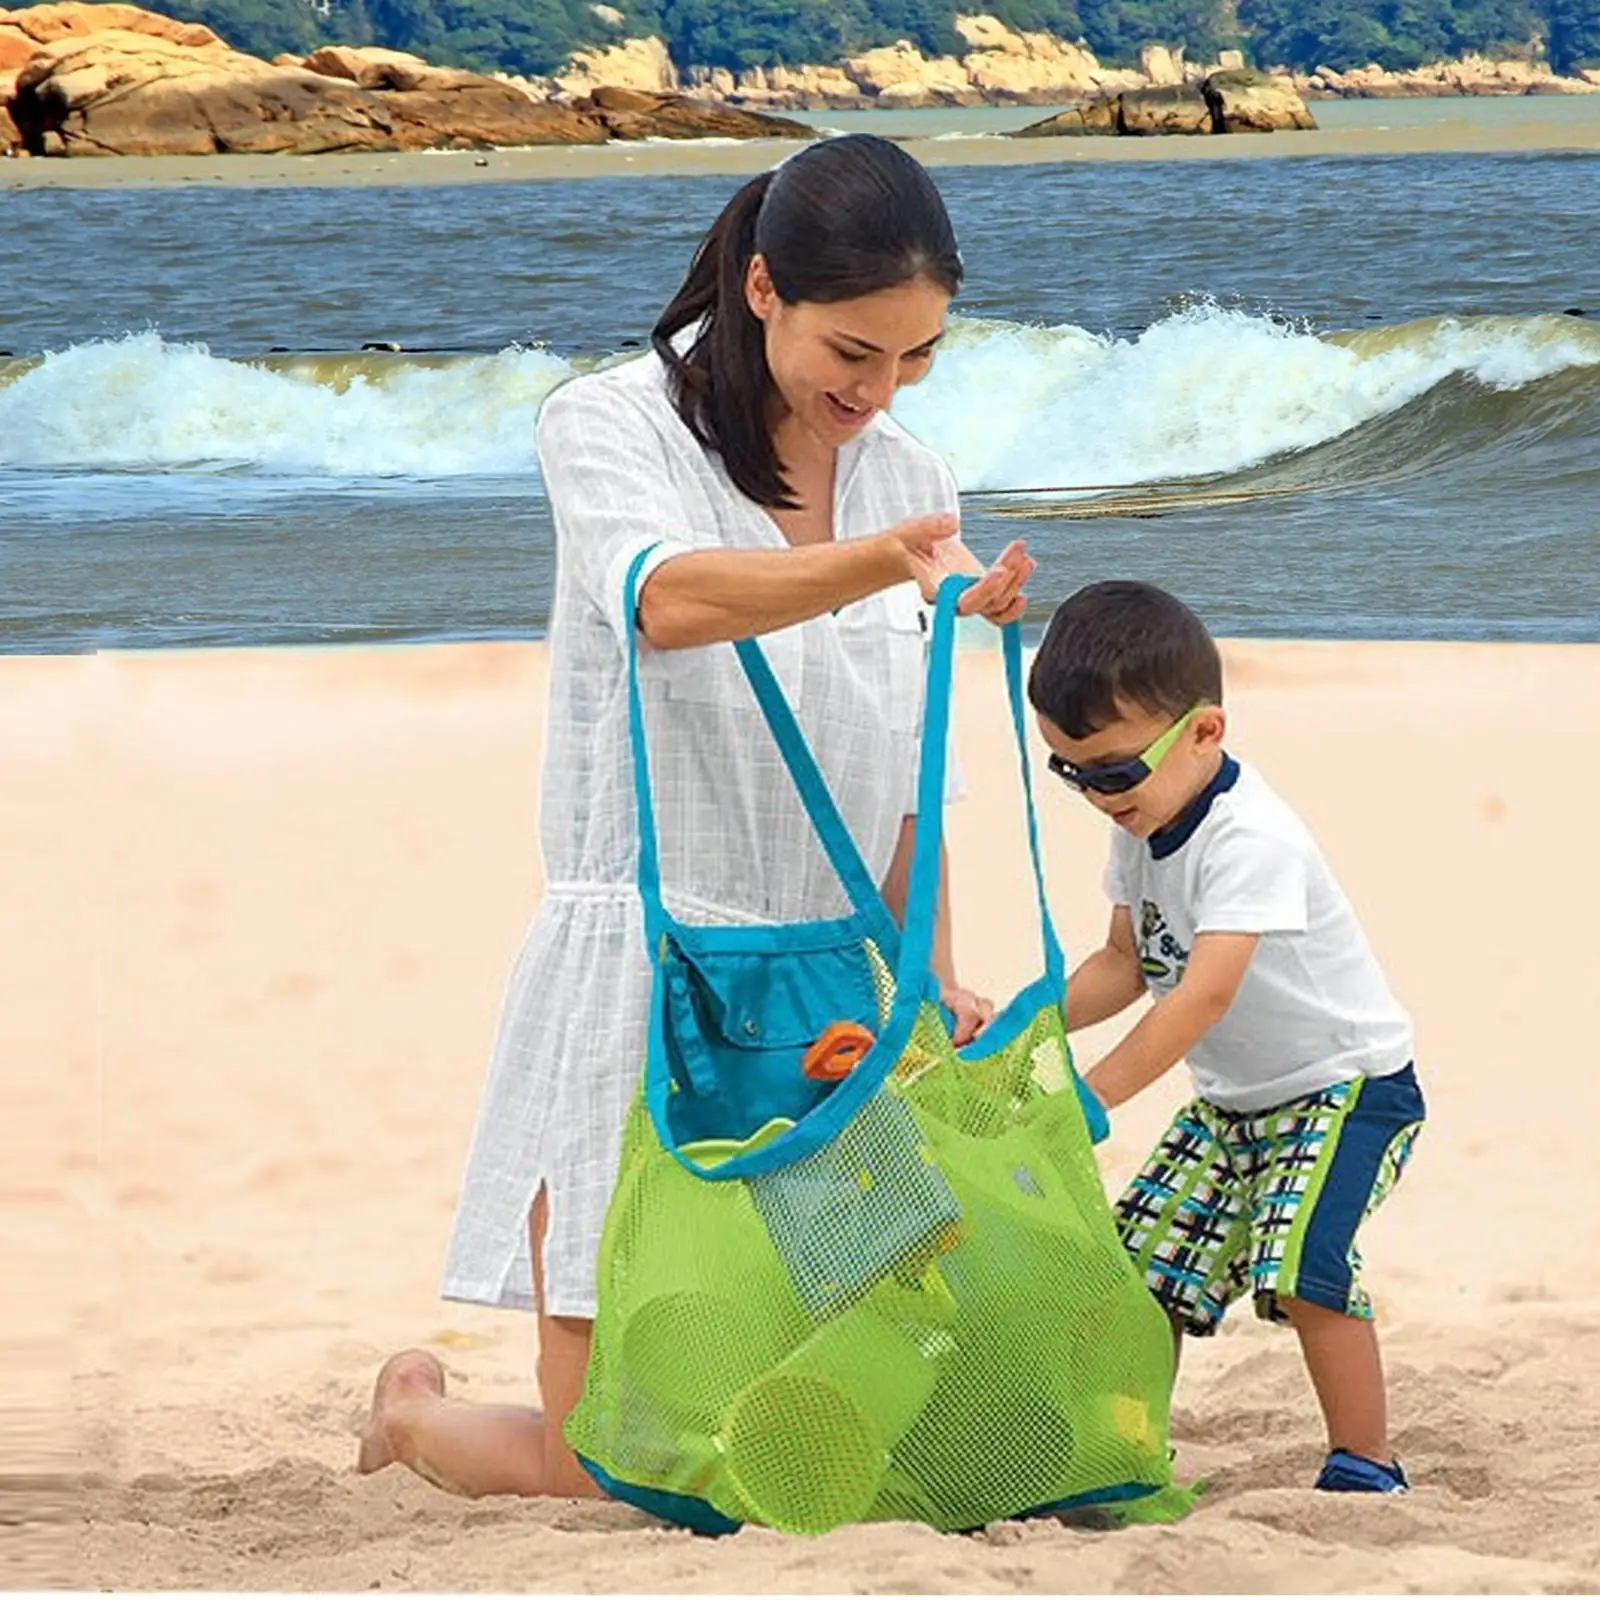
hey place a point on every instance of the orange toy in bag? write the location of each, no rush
(836, 1054)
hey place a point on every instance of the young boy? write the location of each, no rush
(1225, 910)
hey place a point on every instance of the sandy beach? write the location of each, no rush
(1457, 131)
(260, 905)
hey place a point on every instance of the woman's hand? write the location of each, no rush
(972, 1012)
(998, 595)
(935, 551)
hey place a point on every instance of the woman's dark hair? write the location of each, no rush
(840, 219)
(1122, 641)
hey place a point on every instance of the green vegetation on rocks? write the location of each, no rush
(536, 36)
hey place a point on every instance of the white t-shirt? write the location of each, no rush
(1313, 1008)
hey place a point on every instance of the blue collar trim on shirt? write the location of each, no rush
(1177, 833)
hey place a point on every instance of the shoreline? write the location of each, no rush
(707, 159)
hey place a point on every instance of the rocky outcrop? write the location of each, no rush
(1239, 101)
(1472, 75)
(1005, 66)
(16, 48)
(832, 87)
(1163, 67)
(79, 78)
(1000, 66)
(1087, 117)
(633, 64)
(780, 88)
(433, 108)
(474, 113)
(158, 87)
(634, 114)
(122, 93)
(1031, 68)
(1242, 101)
(900, 75)
(368, 67)
(1177, 108)
(76, 20)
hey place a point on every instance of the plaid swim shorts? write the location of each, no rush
(1268, 1201)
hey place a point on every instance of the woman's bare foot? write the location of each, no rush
(401, 1378)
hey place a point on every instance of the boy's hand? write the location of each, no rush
(971, 1011)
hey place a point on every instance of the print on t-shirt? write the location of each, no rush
(1161, 958)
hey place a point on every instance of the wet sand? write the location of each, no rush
(1447, 135)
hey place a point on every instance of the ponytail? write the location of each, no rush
(721, 384)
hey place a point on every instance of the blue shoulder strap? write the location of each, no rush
(922, 892)
(649, 867)
(1054, 964)
(813, 788)
(835, 837)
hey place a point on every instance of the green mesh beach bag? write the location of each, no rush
(887, 1287)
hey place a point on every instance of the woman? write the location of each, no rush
(752, 452)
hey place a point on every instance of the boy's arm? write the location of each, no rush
(1109, 981)
(1177, 1021)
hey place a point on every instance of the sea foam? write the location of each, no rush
(1207, 391)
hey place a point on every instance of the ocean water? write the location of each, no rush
(1318, 397)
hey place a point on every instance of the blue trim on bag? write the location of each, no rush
(1020, 1014)
(1117, 1494)
(1023, 1009)
(1051, 988)
(684, 1509)
(700, 1516)
(763, 937)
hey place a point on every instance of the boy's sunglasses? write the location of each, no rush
(1118, 777)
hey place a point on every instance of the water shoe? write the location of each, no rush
(1347, 1473)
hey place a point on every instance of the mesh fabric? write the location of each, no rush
(930, 1318)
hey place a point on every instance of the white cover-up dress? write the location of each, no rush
(623, 472)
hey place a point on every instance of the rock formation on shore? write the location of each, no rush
(81, 80)
(1231, 100)
(999, 67)
(102, 79)
(1472, 75)
(1002, 66)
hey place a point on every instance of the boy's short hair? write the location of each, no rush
(1122, 641)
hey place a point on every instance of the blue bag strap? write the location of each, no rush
(1011, 640)
(922, 892)
(649, 867)
(922, 896)
(819, 804)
